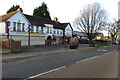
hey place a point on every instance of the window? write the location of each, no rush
(31, 29)
(23, 27)
(19, 27)
(50, 30)
(54, 32)
(42, 29)
(37, 29)
(61, 32)
(47, 29)
(57, 32)
(14, 26)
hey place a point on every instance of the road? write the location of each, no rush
(104, 66)
(33, 67)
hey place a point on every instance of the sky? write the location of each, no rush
(64, 10)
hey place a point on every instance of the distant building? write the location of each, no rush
(19, 25)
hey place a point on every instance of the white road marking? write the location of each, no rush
(47, 72)
(104, 50)
(93, 57)
(65, 66)
(108, 53)
(99, 50)
(86, 59)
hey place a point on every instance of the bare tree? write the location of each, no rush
(92, 20)
(113, 30)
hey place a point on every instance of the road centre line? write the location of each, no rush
(46, 72)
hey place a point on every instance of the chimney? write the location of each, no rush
(55, 19)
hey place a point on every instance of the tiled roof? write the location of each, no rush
(36, 20)
(41, 21)
(7, 16)
(65, 24)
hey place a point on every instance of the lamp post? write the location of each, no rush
(8, 24)
(7, 31)
(28, 35)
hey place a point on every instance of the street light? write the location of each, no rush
(7, 31)
(8, 24)
(28, 35)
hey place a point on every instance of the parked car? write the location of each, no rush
(73, 43)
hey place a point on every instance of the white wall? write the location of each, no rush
(2, 27)
(68, 30)
(19, 18)
(34, 39)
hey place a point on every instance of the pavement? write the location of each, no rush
(103, 66)
(40, 51)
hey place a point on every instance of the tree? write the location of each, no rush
(92, 20)
(42, 11)
(114, 28)
(14, 8)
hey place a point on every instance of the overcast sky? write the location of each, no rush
(65, 10)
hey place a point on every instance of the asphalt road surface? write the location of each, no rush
(33, 67)
(104, 66)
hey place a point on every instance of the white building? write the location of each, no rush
(18, 26)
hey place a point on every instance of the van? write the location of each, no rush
(73, 43)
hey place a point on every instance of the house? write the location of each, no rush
(33, 30)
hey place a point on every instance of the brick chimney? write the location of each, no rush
(55, 19)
